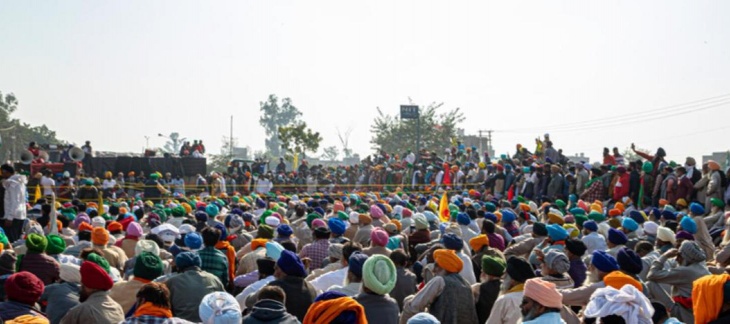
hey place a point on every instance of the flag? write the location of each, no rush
(295, 161)
(101, 204)
(444, 213)
(640, 203)
(38, 194)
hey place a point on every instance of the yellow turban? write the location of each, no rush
(478, 242)
(554, 218)
(618, 280)
(448, 260)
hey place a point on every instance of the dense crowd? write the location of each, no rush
(453, 238)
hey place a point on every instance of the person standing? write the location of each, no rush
(14, 202)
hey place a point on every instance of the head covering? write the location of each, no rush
(194, 241)
(356, 262)
(70, 272)
(423, 318)
(146, 246)
(709, 293)
(557, 261)
(290, 264)
(148, 266)
(519, 269)
(629, 224)
(219, 308)
(335, 308)
(618, 280)
(376, 212)
(56, 244)
(691, 252)
(684, 235)
(507, 216)
(420, 221)
(688, 224)
(717, 202)
(273, 250)
(463, 219)
(617, 237)
(185, 260)
(36, 243)
(336, 225)
(543, 292)
(557, 232)
(539, 229)
(651, 228)
(335, 251)
(134, 229)
(665, 234)
(114, 226)
(265, 231)
(94, 277)
(696, 209)
(576, 247)
(627, 302)
(478, 242)
(284, 230)
(452, 242)
(493, 266)
(379, 237)
(591, 226)
(378, 274)
(99, 236)
(24, 287)
(555, 217)
(448, 260)
(629, 261)
(604, 261)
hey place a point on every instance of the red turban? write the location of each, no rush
(95, 277)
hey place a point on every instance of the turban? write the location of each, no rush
(557, 261)
(591, 226)
(212, 210)
(665, 234)
(134, 229)
(596, 216)
(614, 222)
(258, 243)
(688, 224)
(201, 216)
(493, 266)
(554, 217)
(628, 303)
(376, 212)
(539, 229)
(424, 318)
(452, 242)
(186, 229)
(335, 310)
(273, 250)
(36, 243)
(391, 228)
(629, 261)
(420, 221)
(577, 211)
(696, 209)
(629, 224)
(70, 272)
(684, 235)
(580, 219)
(186, 260)
(557, 232)
(576, 247)
(364, 219)
(717, 202)
(379, 237)
(81, 218)
(291, 264)
(265, 231)
(319, 223)
(219, 308)
(604, 261)
(492, 217)
(463, 219)
(490, 207)
(668, 215)
(448, 260)
(617, 237)
(95, 277)
(99, 260)
(569, 220)
(99, 236)
(508, 216)
(519, 269)
(637, 216)
(618, 280)
(650, 228)
(147, 246)
(56, 244)
(114, 226)
(378, 274)
(478, 242)
(543, 292)
(335, 251)
(148, 266)
(354, 218)
(356, 263)
(691, 252)
(284, 230)
(271, 221)
(336, 225)
(98, 221)
(24, 287)
(572, 230)
(708, 296)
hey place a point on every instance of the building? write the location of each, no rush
(482, 143)
(580, 157)
(720, 157)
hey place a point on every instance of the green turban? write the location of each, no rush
(56, 244)
(100, 261)
(36, 243)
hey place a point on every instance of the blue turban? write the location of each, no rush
(290, 263)
(491, 217)
(617, 237)
(688, 224)
(319, 210)
(185, 260)
(463, 219)
(508, 216)
(452, 242)
(284, 230)
(573, 198)
(247, 217)
(557, 232)
(222, 228)
(604, 261)
(336, 226)
(591, 226)
(356, 262)
(629, 261)
(430, 217)
(329, 295)
(237, 211)
(423, 318)
(637, 216)
(193, 240)
(669, 215)
(260, 203)
(490, 207)
(629, 224)
(212, 210)
(201, 216)
(656, 212)
(696, 209)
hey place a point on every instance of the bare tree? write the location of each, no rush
(345, 141)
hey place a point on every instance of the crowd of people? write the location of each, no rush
(456, 238)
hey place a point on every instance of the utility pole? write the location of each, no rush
(489, 140)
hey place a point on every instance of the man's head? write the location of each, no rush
(446, 262)
(7, 170)
(602, 264)
(211, 236)
(155, 293)
(348, 249)
(540, 297)
(643, 248)
(24, 287)
(271, 293)
(93, 279)
(399, 258)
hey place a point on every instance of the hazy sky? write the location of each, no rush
(115, 71)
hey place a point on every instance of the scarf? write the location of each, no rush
(517, 288)
(142, 280)
(230, 252)
(707, 297)
(150, 309)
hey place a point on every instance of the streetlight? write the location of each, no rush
(147, 139)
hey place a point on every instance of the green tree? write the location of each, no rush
(330, 153)
(298, 138)
(174, 143)
(219, 162)
(15, 134)
(395, 135)
(275, 116)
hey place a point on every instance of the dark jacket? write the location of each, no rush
(300, 294)
(379, 309)
(11, 310)
(269, 311)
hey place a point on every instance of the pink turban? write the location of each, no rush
(376, 212)
(318, 223)
(544, 293)
(379, 237)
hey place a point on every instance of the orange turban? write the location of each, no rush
(397, 223)
(707, 297)
(478, 242)
(364, 219)
(114, 226)
(614, 212)
(714, 166)
(1, 246)
(618, 280)
(525, 207)
(325, 311)
(257, 243)
(122, 210)
(499, 216)
(619, 206)
(85, 227)
(663, 202)
(448, 260)
(99, 236)
(543, 292)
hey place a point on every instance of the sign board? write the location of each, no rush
(409, 112)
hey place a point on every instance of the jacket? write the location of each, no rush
(299, 294)
(15, 197)
(10, 310)
(269, 311)
(187, 290)
(98, 308)
(59, 298)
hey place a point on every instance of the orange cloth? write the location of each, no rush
(85, 227)
(99, 236)
(325, 311)
(398, 225)
(618, 280)
(707, 297)
(614, 212)
(448, 260)
(364, 219)
(620, 207)
(230, 252)
(663, 202)
(114, 226)
(152, 310)
(478, 242)
(543, 292)
(257, 243)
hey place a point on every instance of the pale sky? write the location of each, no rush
(115, 71)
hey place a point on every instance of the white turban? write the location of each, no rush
(70, 272)
(146, 246)
(219, 308)
(650, 227)
(665, 234)
(354, 218)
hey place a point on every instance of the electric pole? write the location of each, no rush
(489, 141)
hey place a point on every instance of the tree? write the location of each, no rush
(630, 156)
(345, 141)
(174, 143)
(219, 162)
(16, 134)
(298, 139)
(275, 116)
(394, 135)
(330, 153)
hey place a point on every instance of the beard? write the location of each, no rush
(83, 295)
(529, 315)
(593, 276)
(506, 283)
